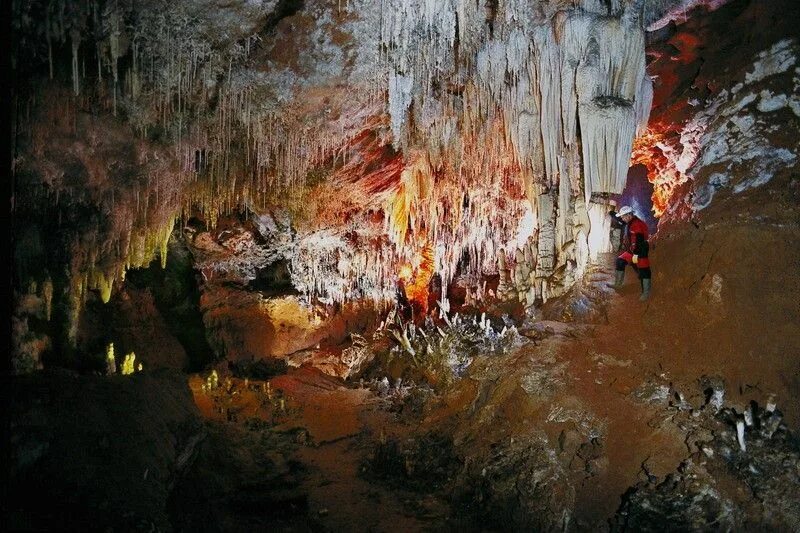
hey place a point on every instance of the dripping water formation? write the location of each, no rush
(404, 265)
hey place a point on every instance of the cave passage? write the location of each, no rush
(409, 265)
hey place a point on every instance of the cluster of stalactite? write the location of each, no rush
(515, 122)
(513, 101)
(90, 203)
(155, 65)
(209, 139)
(493, 128)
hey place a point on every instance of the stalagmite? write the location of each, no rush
(111, 362)
(740, 435)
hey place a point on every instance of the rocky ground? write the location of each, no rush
(564, 430)
(580, 423)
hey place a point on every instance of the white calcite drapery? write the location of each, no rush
(538, 98)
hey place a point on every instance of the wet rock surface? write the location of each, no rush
(687, 500)
(426, 463)
(253, 485)
(519, 484)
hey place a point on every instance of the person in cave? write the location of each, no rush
(635, 251)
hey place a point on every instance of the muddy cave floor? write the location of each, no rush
(587, 426)
(603, 422)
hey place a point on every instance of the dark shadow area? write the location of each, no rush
(638, 194)
(274, 280)
(177, 297)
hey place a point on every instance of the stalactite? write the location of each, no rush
(75, 76)
(49, 42)
(546, 69)
(488, 128)
(115, 53)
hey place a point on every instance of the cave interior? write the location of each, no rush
(403, 265)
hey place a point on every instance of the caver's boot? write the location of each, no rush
(645, 290)
(619, 279)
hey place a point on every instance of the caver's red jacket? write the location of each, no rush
(636, 243)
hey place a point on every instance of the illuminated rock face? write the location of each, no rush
(538, 100)
(382, 130)
(720, 126)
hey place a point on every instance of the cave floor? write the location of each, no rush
(331, 428)
(586, 411)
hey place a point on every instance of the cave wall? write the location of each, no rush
(378, 133)
(722, 152)
(725, 96)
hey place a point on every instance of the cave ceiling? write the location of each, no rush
(379, 132)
